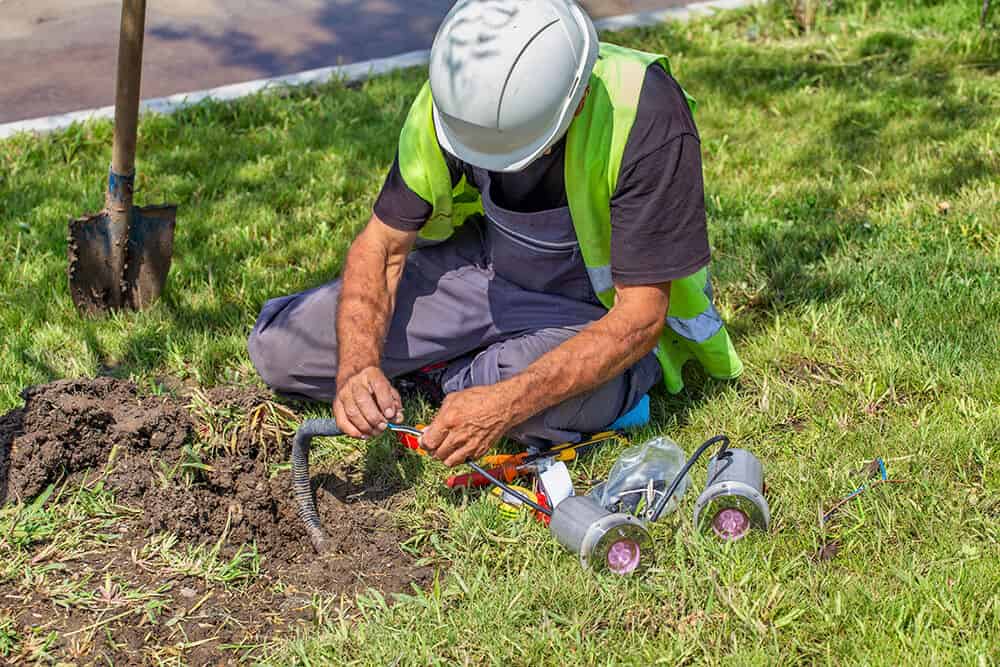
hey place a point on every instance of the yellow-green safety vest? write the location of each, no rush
(595, 144)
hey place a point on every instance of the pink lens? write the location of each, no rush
(624, 556)
(731, 524)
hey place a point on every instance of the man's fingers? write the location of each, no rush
(432, 437)
(452, 443)
(357, 420)
(386, 397)
(344, 423)
(398, 417)
(369, 411)
(460, 455)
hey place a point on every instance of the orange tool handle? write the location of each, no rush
(505, 473)
(566, 454)
(503, 459)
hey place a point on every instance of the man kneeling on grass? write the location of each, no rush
(543, 221)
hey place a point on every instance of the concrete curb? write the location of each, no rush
(350, 73)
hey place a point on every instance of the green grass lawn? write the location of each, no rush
(853, 188)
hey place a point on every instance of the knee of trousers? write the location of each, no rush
(292, 344)
(271, 355)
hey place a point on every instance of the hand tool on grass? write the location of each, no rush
(120, 257)
(508, 467)
(604, 541)
(511, 507)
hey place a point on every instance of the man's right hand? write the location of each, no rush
(365, 402)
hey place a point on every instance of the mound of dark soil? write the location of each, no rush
(79, 430)
(73, 425)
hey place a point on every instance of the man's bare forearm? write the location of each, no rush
(374, 267)
(596, 355)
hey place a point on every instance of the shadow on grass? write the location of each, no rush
(780, 255)
(389, 468)
(953, 175)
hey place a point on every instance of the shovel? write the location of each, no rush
(120, 257)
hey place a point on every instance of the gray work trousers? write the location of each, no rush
(451, 306)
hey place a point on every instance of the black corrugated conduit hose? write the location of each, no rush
(301, 485)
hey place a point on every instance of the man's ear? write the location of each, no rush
(579, 107)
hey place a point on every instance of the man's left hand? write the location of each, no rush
(468, 424)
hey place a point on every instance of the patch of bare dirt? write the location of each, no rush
(143, 447)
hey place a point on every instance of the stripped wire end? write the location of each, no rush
(883, 478)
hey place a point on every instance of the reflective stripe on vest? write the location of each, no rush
(704, 324)
(699, 328)
(600, 278)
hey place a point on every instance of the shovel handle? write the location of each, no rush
(126, 104)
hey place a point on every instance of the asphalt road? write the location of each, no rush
(59, 55)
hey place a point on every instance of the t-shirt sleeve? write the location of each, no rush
(658, 228)
(400, 207)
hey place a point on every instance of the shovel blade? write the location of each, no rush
(150, 251)
(96, 283)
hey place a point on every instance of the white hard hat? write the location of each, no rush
(507, 76)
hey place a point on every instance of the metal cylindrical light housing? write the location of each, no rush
(605, 541)
(733, 500)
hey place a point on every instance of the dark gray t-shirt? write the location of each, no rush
(658, 230)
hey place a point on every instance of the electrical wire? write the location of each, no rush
(507, 489)
(883, 479)
(662, 504)
(403, 428)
